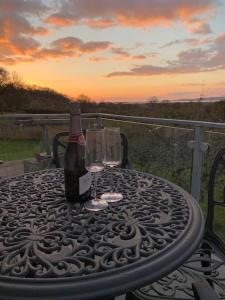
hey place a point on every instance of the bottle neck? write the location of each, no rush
(75, 125)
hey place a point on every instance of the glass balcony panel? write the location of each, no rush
(161, 150)
(216, 141)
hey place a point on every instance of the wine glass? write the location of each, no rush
(94, 154)
(112, 159)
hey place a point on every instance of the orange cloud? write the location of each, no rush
(15, 39)
(137, 13)
(66, 47)
(14, 60)
(30, 50)
(72, 43)
(118, 57)
(58, 20)
(100, 23)
(14, 25)
(17, 31)
(17, 43)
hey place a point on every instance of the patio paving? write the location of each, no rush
(11, 168)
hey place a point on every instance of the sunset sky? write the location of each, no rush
(116, 50)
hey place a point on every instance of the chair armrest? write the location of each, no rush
(203, 291)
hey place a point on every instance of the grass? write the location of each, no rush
(18, 149)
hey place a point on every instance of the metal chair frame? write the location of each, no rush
(125, 164)
(210, 245)
(209, 230)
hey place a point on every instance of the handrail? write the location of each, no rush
(42, 116)
(21, 116)
(147, 120)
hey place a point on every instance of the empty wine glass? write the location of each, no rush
(112, 158)
(94, 154)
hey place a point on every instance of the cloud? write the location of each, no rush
(150, 70)
(100, 23)
(118, 53)
(220, 40)
(14, 17)
(122, 54)
(176, 42)
(60, 20)
(199, 27)
(198, 42)
(72, 43)
(123, 57)
(16, 25)
(140, 56)
(60, 48)
(189, 61)
(189, 41)
(135, 13)
(6, 60)
(17, 31)
(17, 35)
(22, 6)
(70, 47)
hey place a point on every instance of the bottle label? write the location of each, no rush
(85, 183)
(77, 139)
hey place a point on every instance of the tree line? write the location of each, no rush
(15, 97)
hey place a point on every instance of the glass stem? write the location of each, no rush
(95, 186)
(111, 180)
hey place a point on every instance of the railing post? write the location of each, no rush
(197, 162)
(99, 122)
(45, 139)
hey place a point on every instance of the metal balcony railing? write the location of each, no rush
(198, 143)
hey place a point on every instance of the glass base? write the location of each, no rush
(112, 197)
(96, 204)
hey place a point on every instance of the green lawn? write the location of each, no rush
(18, 149)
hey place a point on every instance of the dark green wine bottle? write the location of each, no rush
(77, 178)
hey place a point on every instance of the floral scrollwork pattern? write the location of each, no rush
(204, 265)
(41, 235)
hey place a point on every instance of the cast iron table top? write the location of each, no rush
(51, 249)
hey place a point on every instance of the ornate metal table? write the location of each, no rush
(50, 249)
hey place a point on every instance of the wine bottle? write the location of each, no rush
(77, 178)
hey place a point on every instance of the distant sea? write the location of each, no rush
(203, 100)
(207, 100)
